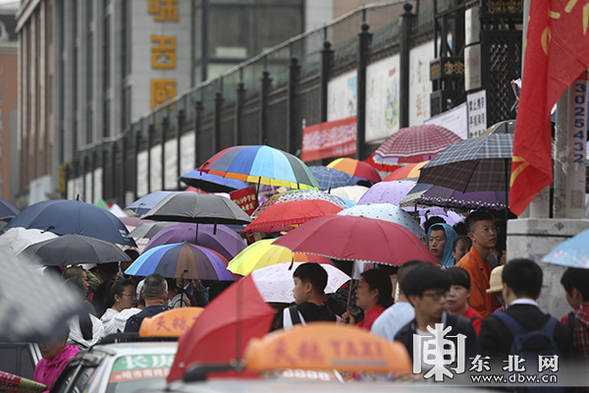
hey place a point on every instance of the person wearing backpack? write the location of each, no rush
(576, 284)
(523, 329)
(310, 280)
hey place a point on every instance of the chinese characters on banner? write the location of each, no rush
(476, 106)
(245, 198)
(329, 139)
(163, 51)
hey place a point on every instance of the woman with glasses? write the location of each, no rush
(122, 297)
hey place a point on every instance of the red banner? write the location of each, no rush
(329, 139)
(245, 198)
(557, 52)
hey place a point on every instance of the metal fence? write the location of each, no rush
(267, 99)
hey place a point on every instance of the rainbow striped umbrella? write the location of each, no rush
(182, 260)
(261, 164)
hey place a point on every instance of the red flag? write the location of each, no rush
(557, 52)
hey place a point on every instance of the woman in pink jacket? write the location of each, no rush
(55, 355)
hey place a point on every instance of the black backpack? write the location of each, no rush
(529, 345)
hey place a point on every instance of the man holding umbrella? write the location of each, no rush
(155, 293)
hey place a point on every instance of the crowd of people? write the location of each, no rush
(473, 291)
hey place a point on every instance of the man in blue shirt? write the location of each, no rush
(155, 293)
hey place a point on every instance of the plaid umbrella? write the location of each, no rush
(477, 164)
(414, 144)
(331, 178)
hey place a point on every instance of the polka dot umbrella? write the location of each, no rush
(388, 212)
(298, 195)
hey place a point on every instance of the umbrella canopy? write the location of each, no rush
(360, 170)
(284, 216)
(572, 253)
(134, 222)
(409, 172)
(331, 178)
(446, 197)
(298, 195)
(260, 164)
(211, 183)
(476, 164)
(71, 216)
(388, 212)
(17, 239)
(148, 202)
(414, 144)
(451, 217)
(391, 192)
(181, 260)
(275, 283)
(414, 194)
(263, 253)
(221, 239)
(198, 208)
(33, 305)
(350, 193)
(223, 330)
(149, 229)
(385, 167)
(357, 238)
(7, 209)
(74, 249)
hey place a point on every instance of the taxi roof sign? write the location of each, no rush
(171, 323)
(324, 345)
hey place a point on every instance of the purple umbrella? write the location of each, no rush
(391, 192)
(225, 241)
(446, 197)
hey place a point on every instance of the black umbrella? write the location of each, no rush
(33, 305)
(73, 249)
(198, 208)
(149, 229)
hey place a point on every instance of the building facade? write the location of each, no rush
(90, 68)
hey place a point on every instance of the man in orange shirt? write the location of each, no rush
(483, 234)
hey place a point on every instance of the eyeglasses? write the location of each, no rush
(436, 296)
(488, 230)
(133, 295)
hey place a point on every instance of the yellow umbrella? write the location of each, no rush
(263, 253)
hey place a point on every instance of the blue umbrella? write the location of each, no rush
(571, 253)
(182, 260)
(63, 217)
(7, 209)
(146, 203)
(211, 183)
(331, 178)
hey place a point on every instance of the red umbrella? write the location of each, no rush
(381, 167)
(357, 238)
(285, 216)
(414, 144)
(410, 172)
(223, 330)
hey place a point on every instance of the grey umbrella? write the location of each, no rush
(32, 305)
(73, 249)
(198, 208)
(149, 229)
